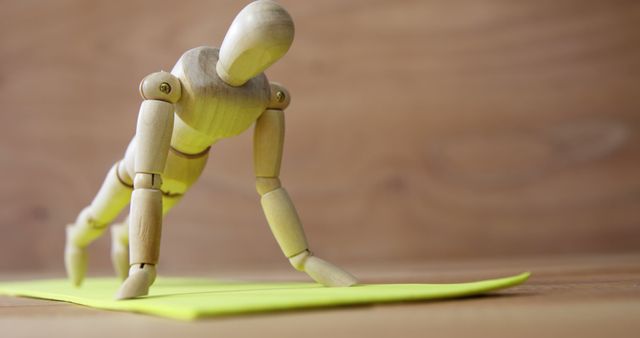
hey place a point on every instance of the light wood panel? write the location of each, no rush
(418, 130)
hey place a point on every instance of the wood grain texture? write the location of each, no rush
(258, 36)
(268, 142)
(214, 109)
(153, 137)
(584, 296)
(284, 222)
(145, 226)
(419, 129)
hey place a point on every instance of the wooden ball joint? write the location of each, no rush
(210, 94)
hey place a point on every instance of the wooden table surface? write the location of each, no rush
(585, 296)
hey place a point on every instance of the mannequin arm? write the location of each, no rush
(278, 208)
(153, 136)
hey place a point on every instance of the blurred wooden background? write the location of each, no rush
(419, 130)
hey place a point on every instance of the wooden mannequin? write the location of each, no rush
(209, 95)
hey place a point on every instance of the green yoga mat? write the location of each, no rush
(192, 298)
